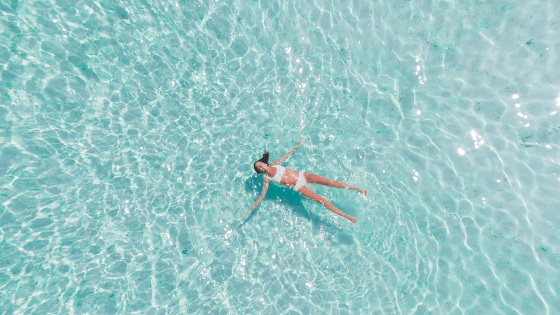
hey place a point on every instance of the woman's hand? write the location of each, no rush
(248, 212)
(282, 159)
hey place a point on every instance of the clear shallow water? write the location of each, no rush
(128, 133)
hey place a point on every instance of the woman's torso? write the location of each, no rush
(289, 178)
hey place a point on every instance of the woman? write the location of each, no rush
(297, 181)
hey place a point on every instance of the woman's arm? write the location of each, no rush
(282, 159)
(263, 193)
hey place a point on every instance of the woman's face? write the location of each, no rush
(261, 167)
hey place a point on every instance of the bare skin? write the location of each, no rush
(289, 179)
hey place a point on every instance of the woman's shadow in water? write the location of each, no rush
(294, 201)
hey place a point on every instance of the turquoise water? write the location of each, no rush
(129, 129)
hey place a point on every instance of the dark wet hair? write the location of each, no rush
(264, 159)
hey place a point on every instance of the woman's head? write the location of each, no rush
(259, 168)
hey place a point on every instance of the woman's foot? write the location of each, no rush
(363, 191)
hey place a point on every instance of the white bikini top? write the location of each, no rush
(279, 173)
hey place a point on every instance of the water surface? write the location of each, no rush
(129, 130)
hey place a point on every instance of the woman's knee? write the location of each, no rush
(312, 195)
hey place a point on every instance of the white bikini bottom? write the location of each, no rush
(301, 182)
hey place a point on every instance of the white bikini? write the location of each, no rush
(278, 177)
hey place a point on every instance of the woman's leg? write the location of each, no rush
(316, 179)
(313, 196)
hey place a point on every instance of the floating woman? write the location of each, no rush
(297, 181)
